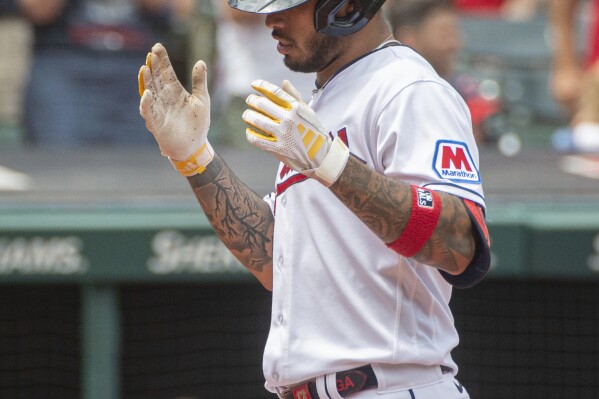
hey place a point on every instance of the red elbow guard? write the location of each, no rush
(426, 209)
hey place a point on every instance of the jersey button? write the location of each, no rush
(281, 319)
(284, 201)
(281, 261)
(275, 376)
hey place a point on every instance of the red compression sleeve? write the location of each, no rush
(426, 209)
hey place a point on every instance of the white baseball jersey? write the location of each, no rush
(341, 298)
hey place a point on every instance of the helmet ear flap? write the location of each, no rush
(327, 20)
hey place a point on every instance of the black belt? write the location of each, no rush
(348, 382)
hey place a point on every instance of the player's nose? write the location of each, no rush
(275, 20)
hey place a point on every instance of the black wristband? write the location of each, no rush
(213, 169)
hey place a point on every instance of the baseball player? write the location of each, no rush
(377, 212)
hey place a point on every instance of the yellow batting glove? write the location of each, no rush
(281, 123)
(178, 120)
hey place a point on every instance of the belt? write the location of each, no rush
(348, 382)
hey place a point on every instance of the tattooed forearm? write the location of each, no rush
(452, 246)
(384, 205)
(241, 219)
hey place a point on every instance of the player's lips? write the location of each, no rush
(283, 46)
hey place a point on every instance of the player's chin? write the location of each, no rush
(296, 65)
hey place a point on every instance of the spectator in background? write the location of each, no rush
(575, 79)
(15, 47)
(201, 37)
(79, 89)
(513, 10)
(244, 52)
(479, 6)
(433, 29)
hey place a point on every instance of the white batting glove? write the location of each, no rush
(178, 120)
(282, 124)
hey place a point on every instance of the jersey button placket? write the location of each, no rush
(282, 297)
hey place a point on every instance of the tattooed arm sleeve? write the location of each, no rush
(242, 220)
(384, 205)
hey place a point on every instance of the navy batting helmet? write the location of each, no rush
(326, 18)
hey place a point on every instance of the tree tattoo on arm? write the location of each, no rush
(242, 220)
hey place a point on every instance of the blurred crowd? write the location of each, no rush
(68, 71)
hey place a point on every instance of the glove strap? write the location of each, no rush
(332, 165)
(196, 163)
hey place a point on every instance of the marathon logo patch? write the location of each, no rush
(452, 161)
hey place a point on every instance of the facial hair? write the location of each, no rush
(323, 50)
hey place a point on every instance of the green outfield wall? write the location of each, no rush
(127, 245)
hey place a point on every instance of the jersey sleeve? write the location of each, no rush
(479, 266)
(270, 200)
(426, 139)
